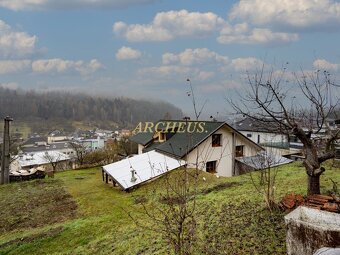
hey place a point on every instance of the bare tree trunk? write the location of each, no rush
(313, 184)
(312, 164)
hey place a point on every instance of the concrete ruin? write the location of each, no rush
(310, 229)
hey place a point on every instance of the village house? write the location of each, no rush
(260, 133)
(215, 150)
(62, 147)
(57, 136)
(35, 140)
(270, 137)
(214, 147)
(41, 160)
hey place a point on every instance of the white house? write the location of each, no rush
(260, 133)
(210, 146)
(39, 159)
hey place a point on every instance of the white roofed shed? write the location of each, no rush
(130, 172)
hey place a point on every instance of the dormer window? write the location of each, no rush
(162, 137)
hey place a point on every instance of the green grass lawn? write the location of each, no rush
(95, 219)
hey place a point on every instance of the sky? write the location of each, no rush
(148, 49)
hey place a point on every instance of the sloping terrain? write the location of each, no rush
(230, 215)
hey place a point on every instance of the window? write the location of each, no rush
(239, 151)
(162, 136)
(211, 167)
(248, 135)
(216, 140)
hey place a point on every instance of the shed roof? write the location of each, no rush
(264, 160)
(146, 166)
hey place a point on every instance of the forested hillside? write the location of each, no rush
(30, 105)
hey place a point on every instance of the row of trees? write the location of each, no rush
(112, 152)
(30, 105)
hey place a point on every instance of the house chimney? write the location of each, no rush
(133, 177)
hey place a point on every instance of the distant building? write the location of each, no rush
(260, 133)
(62, 147)
(27, 161)
(104, 133)
(125, 132)
(91, 143)
(35, 141)
(57, 136)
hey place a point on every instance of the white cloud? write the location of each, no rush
(204, 75)
(15, 44)
(57, 65)
(53, 65)
(288, 13)
(18, 5)
(126, 53)
(194, 56)
(323, 64)
(9, 85)
(170, 25)
(14, 66)
(89, 68)
(221, 86)
(246, 64)
(241, 33)
(166, 71)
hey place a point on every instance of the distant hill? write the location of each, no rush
(58, 107)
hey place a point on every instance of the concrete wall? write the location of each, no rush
(261, 137)
(309, 230)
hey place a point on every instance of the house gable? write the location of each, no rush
(223, 156)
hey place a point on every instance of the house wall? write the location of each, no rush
(265, 137)
(63, 165)
(140, 148)
(52, 139)
(224, 155)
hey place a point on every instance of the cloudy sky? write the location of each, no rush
(148, 48)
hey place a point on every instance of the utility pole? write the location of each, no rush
(5, 152)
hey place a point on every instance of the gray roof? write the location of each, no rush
(142, 138)
(248, 124)
(35, 139)
(50, 147)
(181, 144)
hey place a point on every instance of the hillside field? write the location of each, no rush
(76, 213)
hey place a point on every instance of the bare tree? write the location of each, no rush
(54, 159)
(264, 179)
(269, 101)
(173, 213)
(126, 147)
(80, 152)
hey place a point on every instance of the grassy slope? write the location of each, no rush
(103, 227)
